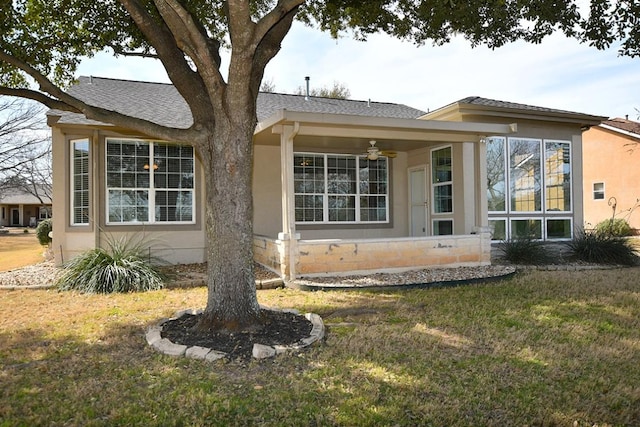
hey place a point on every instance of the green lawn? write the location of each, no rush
(19, 249)
(540, 349)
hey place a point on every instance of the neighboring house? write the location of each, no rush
(611, 173)
(21, 209)
(340, 186)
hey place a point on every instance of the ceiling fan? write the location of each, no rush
(374, 152)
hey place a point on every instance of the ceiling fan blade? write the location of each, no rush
(390, 154)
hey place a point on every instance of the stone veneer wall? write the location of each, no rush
(341, 256)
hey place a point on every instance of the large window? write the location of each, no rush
(557, 157)
(524, 174)
(534, 176)
(442, 180)
(149, 182)
(340, 188)
(496, 179)
(80, 182)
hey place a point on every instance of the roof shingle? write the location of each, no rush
(161, 103)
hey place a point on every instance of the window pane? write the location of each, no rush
(558, 176)
(341, 175)
(373, 208)
(499, 227)
(80, 184)
(559, 229)
(496, 182)
(442, 227)
(174, 206)
(528, 228)
(441, 165)
(443, 198)
(525, 175)
(342, 208)
(308, 208)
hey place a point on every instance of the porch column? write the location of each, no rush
(288, 234)
(482, 212)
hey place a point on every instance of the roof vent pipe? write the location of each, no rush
(306, 97)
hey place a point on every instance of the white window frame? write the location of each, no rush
(441, 215)
(325, 195)
(510, 177)
(544, 178)
(151, 189)
(542, 220)
(72, 176)
(506, 226)
(558, 218)
(505, 162)
(433, 226)
(594, 191)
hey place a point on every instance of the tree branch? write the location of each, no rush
(186, 81)
(191, 38)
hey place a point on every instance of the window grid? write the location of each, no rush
(340, 189)
(141, 191)
(527, 176)
(442, 180)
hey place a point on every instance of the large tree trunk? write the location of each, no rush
(227, 162)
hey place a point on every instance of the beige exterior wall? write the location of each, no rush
(180, 243)
(610, 160)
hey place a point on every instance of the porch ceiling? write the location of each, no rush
(354, 132)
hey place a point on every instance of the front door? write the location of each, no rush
(418, 201)
(15, 216)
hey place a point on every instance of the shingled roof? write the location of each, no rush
(162, 104)
(625, 125)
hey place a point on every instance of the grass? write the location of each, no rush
(540, 349)
(19, 249)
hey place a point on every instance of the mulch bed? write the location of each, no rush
(279, 328)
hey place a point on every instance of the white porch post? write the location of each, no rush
(482, 212)
(288, 234)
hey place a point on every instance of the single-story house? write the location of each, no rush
(340, 186)
(611, 173)
(19, 208)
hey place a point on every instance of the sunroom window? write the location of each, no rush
(149, 182)
(340, 189)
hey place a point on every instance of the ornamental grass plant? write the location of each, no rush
(524, 250)
(123, 266)
(603, 248)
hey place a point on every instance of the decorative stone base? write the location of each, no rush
(260, 351)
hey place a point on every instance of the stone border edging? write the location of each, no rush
(436, 284)
(260, 351)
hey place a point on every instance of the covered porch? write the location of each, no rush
(426, 206)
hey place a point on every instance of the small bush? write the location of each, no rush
(614, 227)
(602, 248)
(122, 267)
(524, 250)
(42, 231)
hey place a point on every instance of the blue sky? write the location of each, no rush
(558, 73)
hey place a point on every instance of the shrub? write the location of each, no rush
(121, 267)
(614, 227)
(42, 231)
(602, 248)
(524, 250)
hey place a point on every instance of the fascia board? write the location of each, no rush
(620, 131)
(313, 123)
